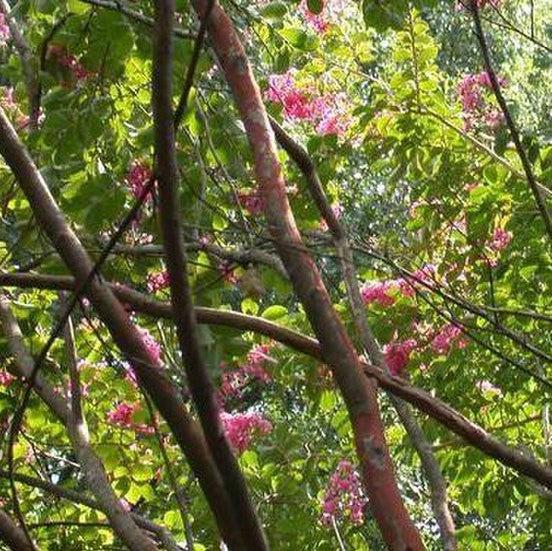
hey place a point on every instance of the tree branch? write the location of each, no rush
(359, 395)
(533, 184)
(435, 478)
(435, 408)
(150, 374)
(12, 535)
(92, 467)
(170, 217)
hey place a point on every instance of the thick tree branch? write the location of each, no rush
(161, 532)
(12, 535)
(91, 465)
(438, 410)
(359, 394)
(150, 374)
(170, 216)
(435, 478)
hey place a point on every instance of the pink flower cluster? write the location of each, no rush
(69, 61)
(385, 292)
(328, 113)
(241, 428)
(252, 202)
(233, 382)
(152, 346)
(137, 178)
(122, 416)
(500, 240)
(6, 378)
(343, 498)
(397, 355)
(4, 30)
(157, 281)
(448, 336)
(476, 111)
(320, 22)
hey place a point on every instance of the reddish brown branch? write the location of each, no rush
(432, 470)
(150, 374)
(359, 394)
(438, 410)
(170, 217)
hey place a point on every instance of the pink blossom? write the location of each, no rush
(500, 240)
(282, 89)
(7, 100)
(69, 61)
(320, 22)
(125, 505)
(234, 381)
(316, 20)
(376, 291)
(204, 240)
(152, 346)
(328, 113)
(344, 498)
(240, 428)
(227, 272)
(137, 178)
(397, 354)
(446, 337)
(4, 30)
(471, 91)
(157, 281)
(6, 378)
(122, 416)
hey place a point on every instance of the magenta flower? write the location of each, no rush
(241, 428)
(447, 336)
(397, 355)
(234, 381)
(500, 240)
(157, 281)
(122, 416)
(4, 30)
(152, 346)
(69, 61)
(6, 378)
(344, 498)
(138, 177)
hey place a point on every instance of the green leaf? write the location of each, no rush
(274, 10)
(382, 15)
(275, 312)
(78, 7)
(315, 6)
(249, 306)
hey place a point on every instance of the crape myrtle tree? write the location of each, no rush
(275, 275)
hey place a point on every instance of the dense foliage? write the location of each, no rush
(398, 112)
